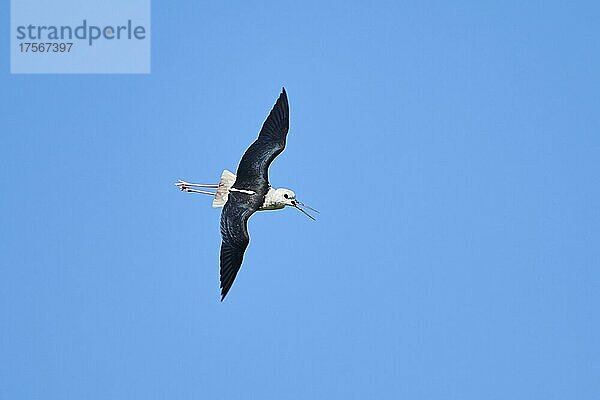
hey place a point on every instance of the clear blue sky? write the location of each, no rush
(453, 153)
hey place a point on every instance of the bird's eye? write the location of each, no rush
(286, 196)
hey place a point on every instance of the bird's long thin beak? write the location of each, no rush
(298, 205)
(309, 207)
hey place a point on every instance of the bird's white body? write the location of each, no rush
(275, 199)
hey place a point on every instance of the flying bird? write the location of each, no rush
(248, 191)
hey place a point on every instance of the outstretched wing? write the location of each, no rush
(253, 171)
(234, 233)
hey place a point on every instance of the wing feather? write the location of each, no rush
(234, 234)
(252, 174)
(253, 170)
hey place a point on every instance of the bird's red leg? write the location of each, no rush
(181, 183)
(190, 190)
(187, 187)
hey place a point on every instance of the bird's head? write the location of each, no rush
(288, 197)
(285, 196)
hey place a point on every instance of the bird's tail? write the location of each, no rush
(226, 182)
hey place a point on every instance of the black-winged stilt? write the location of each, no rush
(249, 191)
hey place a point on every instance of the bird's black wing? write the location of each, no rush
(253, 171)
(234, 233)
(252, 175)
